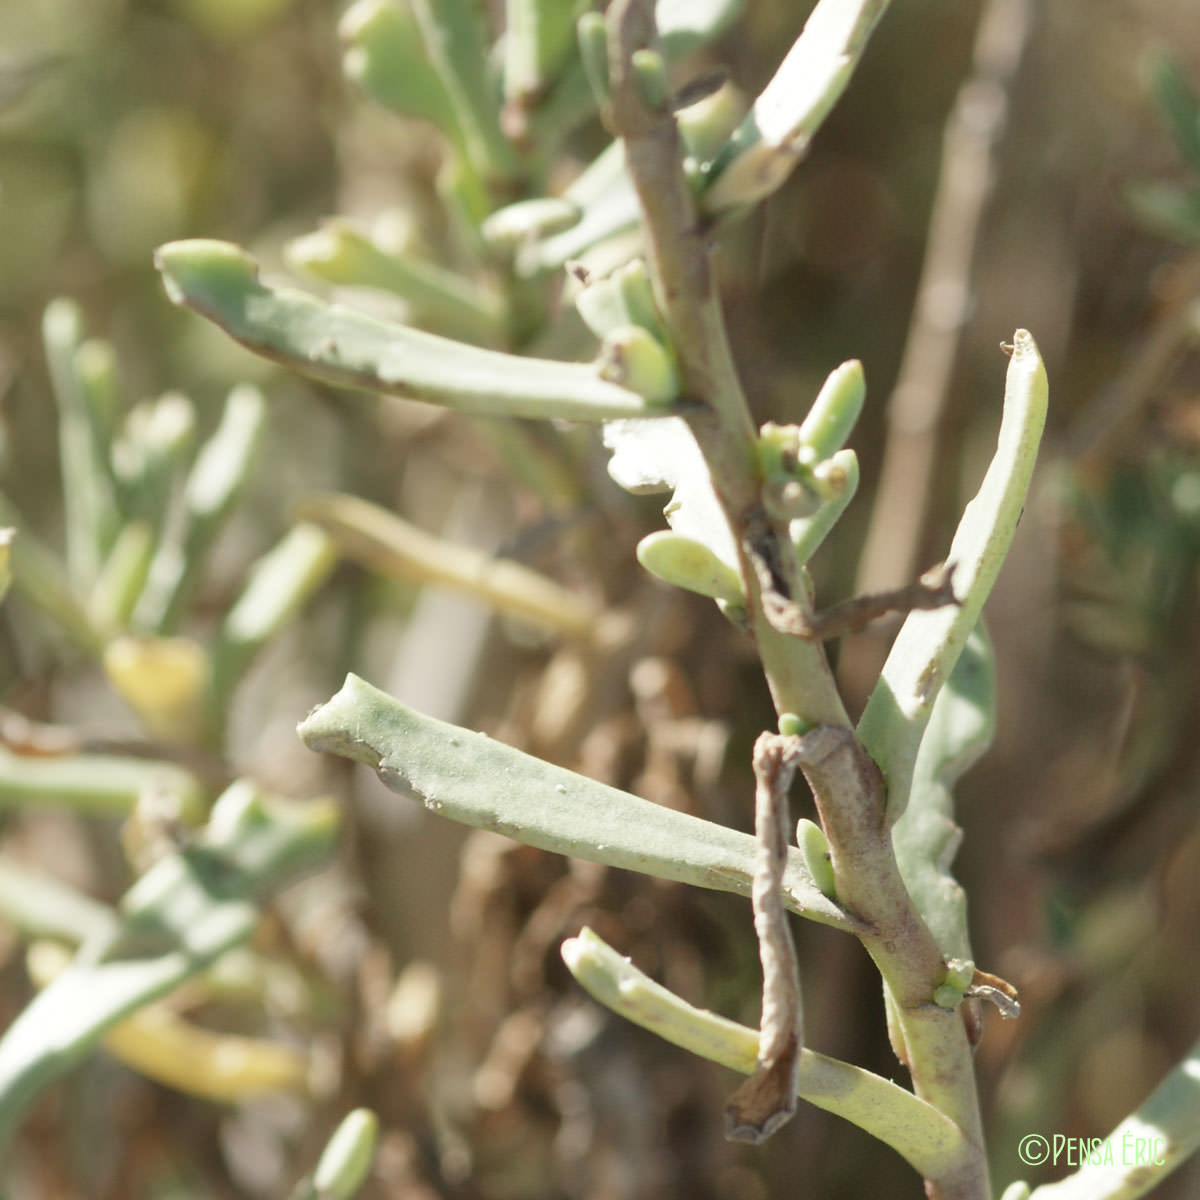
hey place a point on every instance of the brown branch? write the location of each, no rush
(677, 252)
(934, 589)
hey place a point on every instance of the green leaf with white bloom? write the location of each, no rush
(776, 132)
(662, 455)
(687, 564)
(345, 1161)
(470, 778)
(342, 346)
(635, 359)
(930, 642)
(183, 914)
(913, 1127)
(384, 54)
(926, 837)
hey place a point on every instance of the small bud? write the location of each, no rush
(814, 845)
(346, 1159)
(835, 410)
(791, 725)
(706, 122)
(650, 76)
(691, 565)
(947, 996)
(636, 360)
(959, 973)
(529, 219)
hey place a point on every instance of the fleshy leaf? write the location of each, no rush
(911, 1126)
(926, 837)
(776, 132)
(179, 917)
(662, 455)
(470, 778)
(930, 642)
(342, 346)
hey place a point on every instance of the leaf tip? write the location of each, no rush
(198, 272)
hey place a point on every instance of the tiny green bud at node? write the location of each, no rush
(947, 996)
(635, 359)
(959, 973)
(815, 847)
(790, 725)
(835, 410)
(650, 74)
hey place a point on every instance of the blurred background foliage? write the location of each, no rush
(419, 975)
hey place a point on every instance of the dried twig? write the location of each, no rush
(767, 1100)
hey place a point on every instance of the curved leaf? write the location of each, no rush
(185, 912)
(930, 642)
(339, 345)
(470, 778)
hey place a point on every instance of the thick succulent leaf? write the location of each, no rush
(385, 56)
(470, 778)
(928, 1139)
(776, 132)
(98, 784)
(41, 906)
(926, 837)
(185, 912)
(341, 346)
(930, 642)
(686, 25)
(660, 456)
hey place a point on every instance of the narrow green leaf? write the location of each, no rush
(220, 472)
(538, 38)
(122, 577)
(453, 34)
(337, 344)
(384, 54)
(100, 784)
(185, 912)
(149, 456)
(930, 642)
(84, 439)
(776, 132)
(438, 299)
(926, 837)
(470, 778)
(41, 577)
(41, 906)
(913, 1128)
(384, 542)
(278, 586)
(807, 533)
